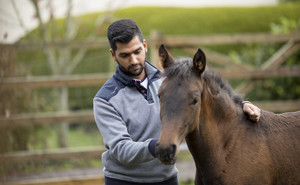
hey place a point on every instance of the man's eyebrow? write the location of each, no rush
(127, 53)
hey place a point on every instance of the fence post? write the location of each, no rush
(156, 38)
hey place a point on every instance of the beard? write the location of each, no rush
(132, 70)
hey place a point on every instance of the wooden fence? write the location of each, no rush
(271, 68)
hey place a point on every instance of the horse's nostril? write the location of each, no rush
(172, 150)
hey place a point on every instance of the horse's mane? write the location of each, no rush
(183, 68)
(215, 80)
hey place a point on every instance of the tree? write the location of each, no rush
(11, 139)
(62, 61)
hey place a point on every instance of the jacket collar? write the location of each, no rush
(151, 71)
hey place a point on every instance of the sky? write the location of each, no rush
(16, 22)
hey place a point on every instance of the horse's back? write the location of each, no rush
(282, 132)
(285, 123)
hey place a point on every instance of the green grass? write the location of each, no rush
(186, 183)
(82, 135)
(79, 136)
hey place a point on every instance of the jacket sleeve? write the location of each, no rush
(116, 138)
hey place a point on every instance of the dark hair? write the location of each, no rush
(122, 31)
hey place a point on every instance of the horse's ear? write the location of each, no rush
(165, 59)
(199, 61)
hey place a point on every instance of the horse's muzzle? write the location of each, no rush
(166, 154)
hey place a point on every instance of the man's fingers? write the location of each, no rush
(248, 109)
(253, 111)
(256, 113)
(254, 118)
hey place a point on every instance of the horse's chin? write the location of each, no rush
(168, 162)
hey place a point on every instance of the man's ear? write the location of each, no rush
(145, 45)
(113, 54)
(199, 61)
(165, 58)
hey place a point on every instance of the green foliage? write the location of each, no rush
(187, 21)
(289, 1)
(274, 88)
(253, 54)
(286, 26)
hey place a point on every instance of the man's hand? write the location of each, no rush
(252, 110)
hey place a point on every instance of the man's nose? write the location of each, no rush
(133, 59)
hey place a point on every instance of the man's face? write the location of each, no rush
(131, 57)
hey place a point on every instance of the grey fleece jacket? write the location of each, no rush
(130, 126)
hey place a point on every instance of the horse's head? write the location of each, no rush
(180, 100)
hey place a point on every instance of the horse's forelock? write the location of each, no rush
(181, 68)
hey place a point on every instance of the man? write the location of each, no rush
(126, 111)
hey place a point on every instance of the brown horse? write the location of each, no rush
(196, 104)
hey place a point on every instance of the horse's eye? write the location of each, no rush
(195, 101)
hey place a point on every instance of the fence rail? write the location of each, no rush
(56, 81)
(100, 79)
(88, 116)
(222, 39)
(172, 41)
(61, 153)
(43, 118)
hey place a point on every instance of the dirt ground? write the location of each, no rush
(186, 173)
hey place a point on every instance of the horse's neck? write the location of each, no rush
(220, 111)
(217, 118)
